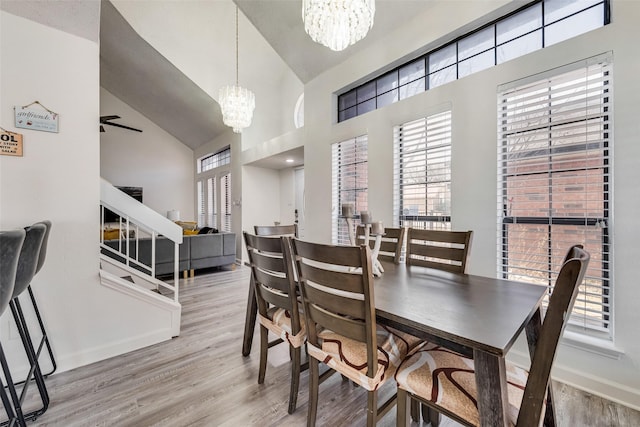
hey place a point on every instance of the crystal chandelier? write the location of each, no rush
(237, 103)
(338, 24)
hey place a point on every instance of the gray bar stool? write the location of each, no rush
(45, 339)
(27, 265)
(10, 246)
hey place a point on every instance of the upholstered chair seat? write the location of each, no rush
(278, 321)
(448, 379)
(349, 357)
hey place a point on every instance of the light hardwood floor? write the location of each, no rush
(201, 379)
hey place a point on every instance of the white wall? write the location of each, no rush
(474, 176)
(153, 159)
(287, 178)
(58, 179)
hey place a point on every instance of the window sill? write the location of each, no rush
(594, 345)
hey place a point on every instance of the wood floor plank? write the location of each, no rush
(201, 379)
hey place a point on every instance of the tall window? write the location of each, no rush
(554, 182)
(530, 28)
(213, 190)
(349, 183)
(225, 199)
(422, 173)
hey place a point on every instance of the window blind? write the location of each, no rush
(225, 197)
(211, 203)
(201, 211)
(554, 189)
(349, 166)
(422, 173)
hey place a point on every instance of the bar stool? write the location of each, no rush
(27, 265)
(10, 246)
(45, 339)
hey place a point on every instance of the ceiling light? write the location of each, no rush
(237, 103)
(338, 24)
(289, 160)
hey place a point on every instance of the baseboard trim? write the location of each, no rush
(66, 362)
(598, 386)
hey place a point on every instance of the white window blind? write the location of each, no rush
(212, 217)
(225, 198)
(200, 201)
(554, 191)
(349, 167)
(422, 173)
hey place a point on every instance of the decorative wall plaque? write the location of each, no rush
(10, 144)
(40, 118)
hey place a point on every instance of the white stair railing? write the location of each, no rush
(138, 221)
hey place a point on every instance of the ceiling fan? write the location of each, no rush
(105, 120)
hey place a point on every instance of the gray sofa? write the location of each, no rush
(195, 252)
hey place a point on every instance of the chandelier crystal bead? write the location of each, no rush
(236, 103)
(338, 24)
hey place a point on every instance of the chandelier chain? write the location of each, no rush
(237, 62)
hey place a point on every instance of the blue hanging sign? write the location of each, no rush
(41, 119)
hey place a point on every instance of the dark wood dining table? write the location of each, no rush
(480, 317)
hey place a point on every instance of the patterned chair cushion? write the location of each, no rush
(279, 322)
(349, 357)
(446, 378)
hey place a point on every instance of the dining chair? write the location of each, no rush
(276, 230)
(444, 250)
(390, 246)
(336, 283)
(250, 317)
(445, 380)
(276, 296)
(10, 247)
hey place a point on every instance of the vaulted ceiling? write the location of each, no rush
(139, 75)
(142, 77)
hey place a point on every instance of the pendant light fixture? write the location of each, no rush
(237, 103)
(338, 24)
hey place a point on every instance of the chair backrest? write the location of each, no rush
(390, 246)
(337, 289)
(276, 230)
(10, 246)
(444, 250)
(43, 249)
(272, 274)
(561, 302)
(28, 261)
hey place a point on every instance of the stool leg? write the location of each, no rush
(45, 338)
(18, 417)
(34, 370)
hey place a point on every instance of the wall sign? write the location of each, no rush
(10, 144)
(41, 118)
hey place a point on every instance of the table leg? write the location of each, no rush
(250, 320)
(533, 332)
(377, 266)
(491, 382)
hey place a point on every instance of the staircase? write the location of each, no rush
(122, 268)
